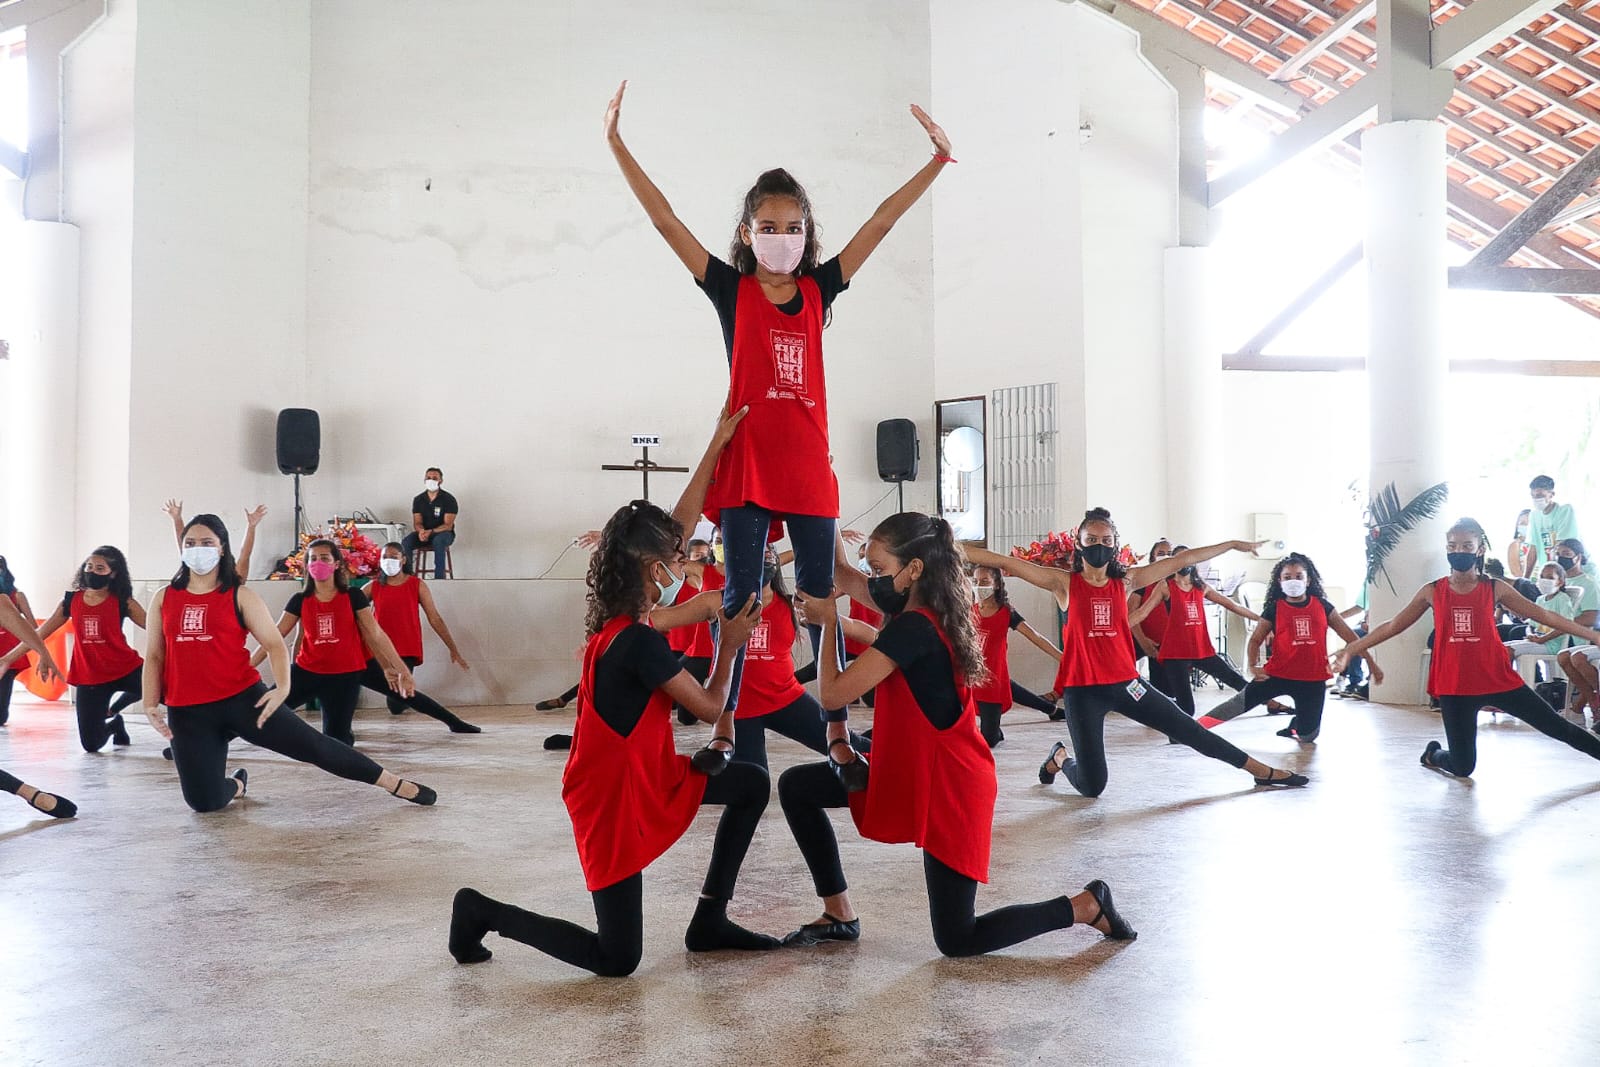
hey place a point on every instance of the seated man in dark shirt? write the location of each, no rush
(433, 520)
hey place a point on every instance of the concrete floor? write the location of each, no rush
(1383, 914)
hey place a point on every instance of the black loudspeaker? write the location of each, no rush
(299, 441)
(898, 450)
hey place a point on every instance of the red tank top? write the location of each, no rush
(8, 642)
(700, 644)
(933, 788)
(1155, 623)
(629, 797)
(330, 641)
(1300, 642)
(779, 458)
(679, 638)
(994, 632)
(1096, 641)
(1188, 633)
(100, 653)
(768, 683)
(206, 660)
(862, 613)
(398, 609)
(1469, 658)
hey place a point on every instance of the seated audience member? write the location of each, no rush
(433, 520)
(1553, 597)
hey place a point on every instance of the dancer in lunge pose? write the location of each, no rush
(995, 619)
(14, 625)
(1097, 674)
(933, 781)
(773, 300)
(1297, 617)
(198, 667)
(399, 600)
(1469, 669)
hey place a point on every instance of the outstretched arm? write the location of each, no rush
(436, 620)
(1050, 579)
(1342, 628)
(1229, 604)
(1508, 597)
(55, 622)
(872, 233)
(1151, 573)
(1039, 641)
(1402, 622)
(174, 508)
(693, 501)
(21, 627)
(688, 248)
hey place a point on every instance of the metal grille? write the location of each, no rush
(1022, 465)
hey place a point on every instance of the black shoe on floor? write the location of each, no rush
(824, 932)
(1120, 930)
(471, 914)
(852, 775)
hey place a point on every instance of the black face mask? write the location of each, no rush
(93, 580)
(884, 595)
(769, 571)
(1098, 555)
(1567, 562)
(1462, 561)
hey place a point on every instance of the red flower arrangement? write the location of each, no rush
(361, 553)
(1056, 551)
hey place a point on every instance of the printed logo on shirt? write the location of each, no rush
(194, 620)
(1191, 611)
(1302, 628)
(1102, 614)
(789, 359)
(325, 628)
(88, 628)
(1461, 622)
(760, 638)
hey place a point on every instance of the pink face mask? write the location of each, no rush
(320, 570)
(779, 252)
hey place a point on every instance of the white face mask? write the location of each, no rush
(983, 592)
(202, 559)
(431, 485)
(1548, 586)
(390, 565)
(1293, 588)
(864, 567)
(779, 252)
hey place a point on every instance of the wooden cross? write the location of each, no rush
(644, 465)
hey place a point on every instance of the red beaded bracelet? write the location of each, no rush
(945, 159)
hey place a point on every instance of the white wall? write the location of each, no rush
(486, 295)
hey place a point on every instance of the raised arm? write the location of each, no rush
(702, 607)
(1150, 573)
(667, 224)
(436, 620)
(252, 519)
(708, 703)
(875, 229)
(1050, 579)
(693, 500)
(846, 579)
(1402, 622)
(1227, 603)
(174, 508)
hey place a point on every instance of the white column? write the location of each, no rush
(39, 436)
(1194, 446)
(1403, 174)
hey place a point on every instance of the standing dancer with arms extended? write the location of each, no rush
(12, 624)
(198, 667)
(1097, 674)
(933, 781)
(773, 301)
(103, 664)
(1469, 669)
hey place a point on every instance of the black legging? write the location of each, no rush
(1460, 716)
(1174, 680)
(699, 668)
(1087, 708)
(98, 718)
(336, 693)
(989, 713)
(1030, 699)
(808, 790)
(616, 946)
(569, 696)
(201, 732)
(7, 680)
(375, 680)
(9, 783)
(1308, 698)
(800, 721)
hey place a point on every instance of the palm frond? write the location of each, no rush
(1388, 521)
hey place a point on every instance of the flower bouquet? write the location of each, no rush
(1057, 548)
(361, 553)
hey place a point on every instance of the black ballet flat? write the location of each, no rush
(1058, 714)
(1433, 749)
(1289, 781)
(557, 742)
(553, 704)
(166, 753)
(242, 776)
(1120, 930)
(462, 726)
(712, 761)
(425, 796)
(1279, 710)
(1046, 775)
(470, 917)
(822, 933)
(64, 809)
(853, 775)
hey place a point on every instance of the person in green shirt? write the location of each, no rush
(1578, 662)
(1549, 522)
(1554, 596)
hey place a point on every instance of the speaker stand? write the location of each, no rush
(299, 516)
(900, 487)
